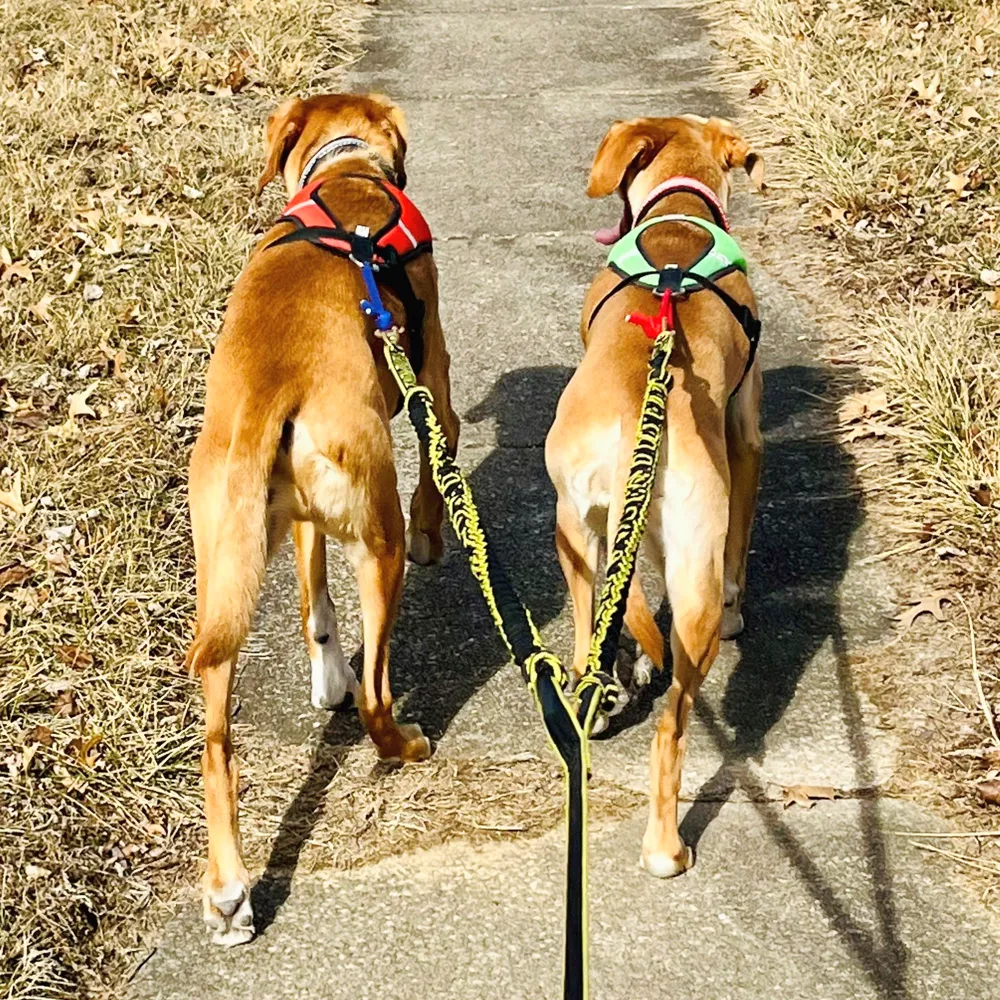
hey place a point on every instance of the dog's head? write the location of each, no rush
(635, 156)
(297, 129)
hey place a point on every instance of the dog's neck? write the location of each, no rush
(342, 148)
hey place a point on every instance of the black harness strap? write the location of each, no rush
(741, 313)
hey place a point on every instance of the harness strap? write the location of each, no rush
(741, 313)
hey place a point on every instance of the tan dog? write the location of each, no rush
(296, 434)
(704, 500)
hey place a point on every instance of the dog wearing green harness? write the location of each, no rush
(672, 266)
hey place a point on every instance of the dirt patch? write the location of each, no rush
(130, 137)
(879, 122)
(306, 808)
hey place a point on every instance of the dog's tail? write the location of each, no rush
(237, 556)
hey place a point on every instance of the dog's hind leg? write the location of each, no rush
(694, 522)
(577, 546)
(228, 493)
(744, 446)
(332, 676)
(379, 560)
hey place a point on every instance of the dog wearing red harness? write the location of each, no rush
(296, 435)
(673, 176)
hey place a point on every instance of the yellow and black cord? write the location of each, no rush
(567, 729)
(598, 690)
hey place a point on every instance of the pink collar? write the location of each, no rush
(671, 184)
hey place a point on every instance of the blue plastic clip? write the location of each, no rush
(373, 305)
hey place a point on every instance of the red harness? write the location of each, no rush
(406, 235)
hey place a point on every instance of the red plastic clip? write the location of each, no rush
(653, 326)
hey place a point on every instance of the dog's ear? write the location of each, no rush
(732, 151)
(628, 145)
(283, 129)
(394, 126)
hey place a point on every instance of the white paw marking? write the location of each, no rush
(332, 676)
(232, 924)
(642, 671)
(661, 865)
(418, 546)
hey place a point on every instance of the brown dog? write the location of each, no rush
(703, 503)
(296, 434)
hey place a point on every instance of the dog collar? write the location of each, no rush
(691, 185)
(337, 147)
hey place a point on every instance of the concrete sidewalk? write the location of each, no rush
(507, 101)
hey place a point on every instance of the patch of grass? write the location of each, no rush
(130, 135)
(882, 121)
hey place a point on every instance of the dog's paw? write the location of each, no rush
(421, 548)
(659, 864)
(642, 672)
(406, 745)
(332, 677)
(229, 915)
(732, 623)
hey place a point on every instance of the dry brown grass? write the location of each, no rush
(882, 120)
(129, 139)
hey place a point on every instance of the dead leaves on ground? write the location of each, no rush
(855, 414)
(806, 796)
(989, 791)
(930, 605)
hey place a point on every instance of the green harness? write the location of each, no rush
(628, 257)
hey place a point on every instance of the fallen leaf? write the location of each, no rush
(806, 795)
(152, 118)
(11, 498)
(989, 791)
(759, 87)
(5, 257)
(192, 192)
(36, 871)
(926, 92)
(993, 298)
(957, 183)
(863, 404)
(82, 748)
(931, 604)
(968, 115)
(146, 221)
(69, 278)
(78, 405)
(21, 271)
(14, 575)
(112, 245)
(91, 293)
(65, 704)
(58, 561)
(989, 277)
(75, 657)
(982, 494)
(41, 308)
(40, 734)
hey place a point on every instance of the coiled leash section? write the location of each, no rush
(541, 669)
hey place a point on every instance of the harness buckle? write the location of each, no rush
(671, 280)
(362, 247)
